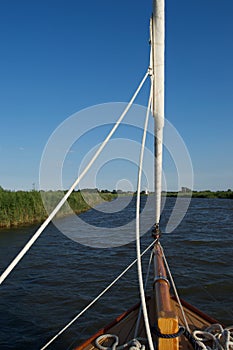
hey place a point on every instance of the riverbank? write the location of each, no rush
(26, 207)
(202, 194)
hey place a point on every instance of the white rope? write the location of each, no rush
(96, 299)
(133, 344)
(175, 289)
(220, 338)
(138, 249)
(146, 281)
(66, 196)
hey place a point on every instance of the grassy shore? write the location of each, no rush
(26, 207)
(202, 194)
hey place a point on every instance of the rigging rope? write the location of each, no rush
(97, 298)
(140, 310)
(138, 249)
(66, 196)
(175, 289)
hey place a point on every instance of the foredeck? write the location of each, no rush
(123, 327)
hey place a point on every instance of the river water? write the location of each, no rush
(59, 277)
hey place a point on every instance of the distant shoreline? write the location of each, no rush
(18, 208)
(202, 194)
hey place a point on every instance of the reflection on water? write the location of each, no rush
(58, 277)
(101, 228)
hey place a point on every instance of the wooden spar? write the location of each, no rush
(167, 321)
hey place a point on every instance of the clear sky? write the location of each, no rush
(60, 56)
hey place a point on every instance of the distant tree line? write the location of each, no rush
(217, 194)
(26, 207)
(202, 194)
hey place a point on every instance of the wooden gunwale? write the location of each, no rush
(123, 316)
(109, 326)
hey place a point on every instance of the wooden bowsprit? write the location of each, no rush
(167, 320)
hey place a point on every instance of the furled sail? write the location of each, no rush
(158, 49)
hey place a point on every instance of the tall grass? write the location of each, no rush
(26, 207)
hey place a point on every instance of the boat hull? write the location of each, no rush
(124, 325)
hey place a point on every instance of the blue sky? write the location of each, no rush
(58, 57)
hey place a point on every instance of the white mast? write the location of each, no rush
(158, 50)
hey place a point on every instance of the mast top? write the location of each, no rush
(158, 53)
(158, 81)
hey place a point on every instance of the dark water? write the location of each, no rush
(58, 277)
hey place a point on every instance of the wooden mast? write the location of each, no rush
(167, 321)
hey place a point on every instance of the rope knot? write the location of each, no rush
(136, 345)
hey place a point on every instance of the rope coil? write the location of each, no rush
(133, 344)
(157, 332)
(216, 336)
